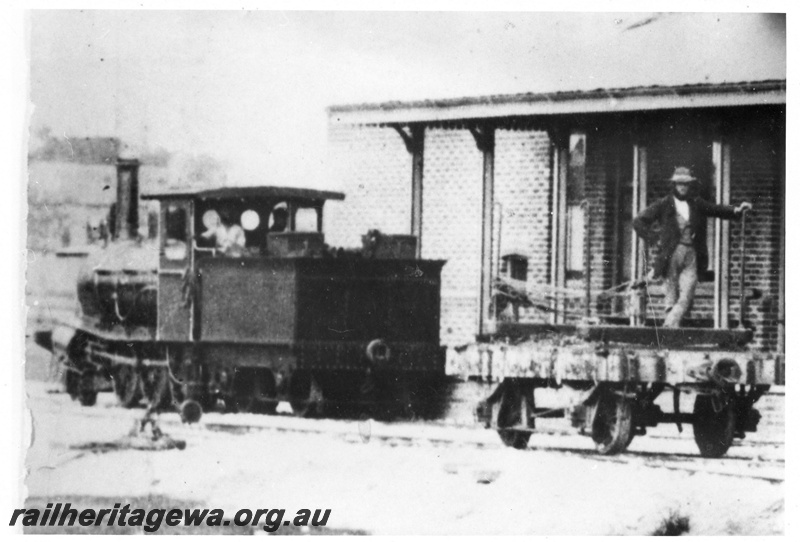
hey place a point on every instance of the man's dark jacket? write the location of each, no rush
(667, 235)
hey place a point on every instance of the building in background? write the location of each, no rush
(72, 183)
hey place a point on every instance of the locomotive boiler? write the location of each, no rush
(176, 321)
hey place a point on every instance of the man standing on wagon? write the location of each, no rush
(680, 235)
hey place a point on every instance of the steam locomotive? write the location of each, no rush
(177, 322)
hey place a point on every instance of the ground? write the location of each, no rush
(445, 480)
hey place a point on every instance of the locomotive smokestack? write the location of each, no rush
(126, 212)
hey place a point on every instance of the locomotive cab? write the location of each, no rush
(276, 222)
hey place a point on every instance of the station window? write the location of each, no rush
(576, 235)
(576, 213)
(516, 267)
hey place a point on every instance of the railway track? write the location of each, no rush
(761, 460)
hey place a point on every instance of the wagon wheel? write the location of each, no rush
(510, 415)
(127, 385)
(155, 386)
(713, 427)
(254, 391)
(305, 395)
(612, 427)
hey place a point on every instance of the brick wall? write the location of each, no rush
(755, 177)
(374, 169)
(451, 226)
(522, 190)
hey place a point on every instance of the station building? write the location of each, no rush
(542, 187)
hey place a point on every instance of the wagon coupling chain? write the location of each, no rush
(173, 378)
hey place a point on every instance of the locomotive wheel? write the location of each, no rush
(80, 387)
(127, 385)
(156, 388)
(510, 414)
(254, 391)
(713, 430)
(87, 395)
(71, 383)
(612, 427)
(190, 411)
(305, 395)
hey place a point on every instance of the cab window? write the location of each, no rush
(305, 219)
(175, 240)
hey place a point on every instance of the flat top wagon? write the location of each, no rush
(621, 371)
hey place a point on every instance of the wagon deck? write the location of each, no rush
(558, 355)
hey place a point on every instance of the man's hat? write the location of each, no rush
(683, 175)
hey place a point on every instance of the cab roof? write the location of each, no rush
(247, 192)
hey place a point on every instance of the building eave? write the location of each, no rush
(564, 103)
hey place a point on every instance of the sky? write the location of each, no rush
(251, 87)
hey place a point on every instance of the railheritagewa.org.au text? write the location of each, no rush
(151, 520)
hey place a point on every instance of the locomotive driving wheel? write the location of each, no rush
(714, 424)
(612, 427)
(127, 385)
(305, 395)
(513, 408)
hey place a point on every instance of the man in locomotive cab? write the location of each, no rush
(228, 236)
(680, 235)
(280, 220)
(279, 223)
